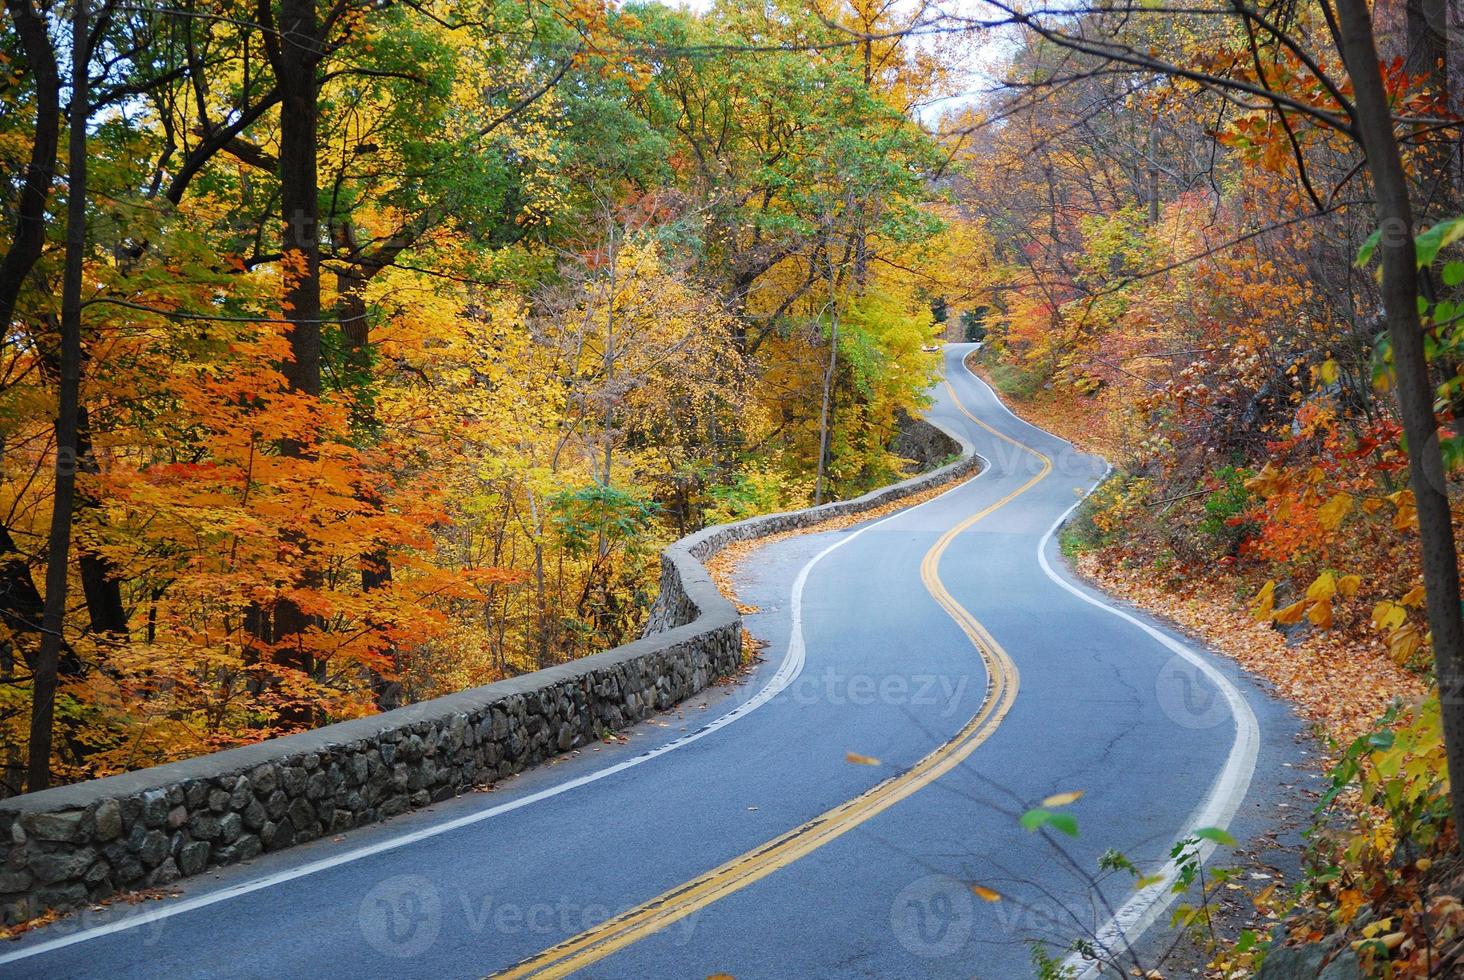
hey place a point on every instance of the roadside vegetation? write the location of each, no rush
(390, 342)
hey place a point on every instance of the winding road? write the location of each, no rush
(943, 646)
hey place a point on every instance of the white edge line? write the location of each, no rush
(1217, 809)
(788, 671)
(1227, 792)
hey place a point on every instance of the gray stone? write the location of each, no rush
(317, 786)
(16, 910)
(230, 827)
(177, 817)
(153, 849)
(163, 874)
(67, 826)
(275, 835)
(64, 896)
(412, 749)
(120, 848)
(1305, 962)
(254, 815)
(276, 805)
(284, 835)
(292, 778)
(154, 807)
(204, 825)
(242, 850)
(193, 857)
(266, 780)
(1344, 967)
(127, 869)
(302, 816)
(195, 794)
(61, 866)
(247, 847)
(218, 801)
(99, 874)
(243, 794)
(15, 881)
(108, 820)
(19, 857)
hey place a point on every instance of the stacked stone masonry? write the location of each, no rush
(72, 845)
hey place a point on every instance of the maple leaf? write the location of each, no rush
(1388, 616)
(1292, 614)
(1264, 604)
(1322, 588)
(1268, 482)
(1331, 514)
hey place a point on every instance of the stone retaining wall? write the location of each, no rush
(75, 844)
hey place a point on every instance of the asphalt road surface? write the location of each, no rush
(944, 646)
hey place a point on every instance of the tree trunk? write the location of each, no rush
(1428, 56)
(23, 608)
(295, 53)
(824, 421)
(30, 219)
(58, 554)
(299, 196)
(20, 600)
(1154, 174)
(101, 581)
(1374, 125)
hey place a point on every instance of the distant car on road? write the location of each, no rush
(930, 348)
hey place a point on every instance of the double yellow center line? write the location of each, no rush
(615, 934)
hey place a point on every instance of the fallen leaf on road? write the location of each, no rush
(1063, 799)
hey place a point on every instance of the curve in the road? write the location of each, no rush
(1125, 925)
(787, 672)
(1087, 711)
(1002, 682)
